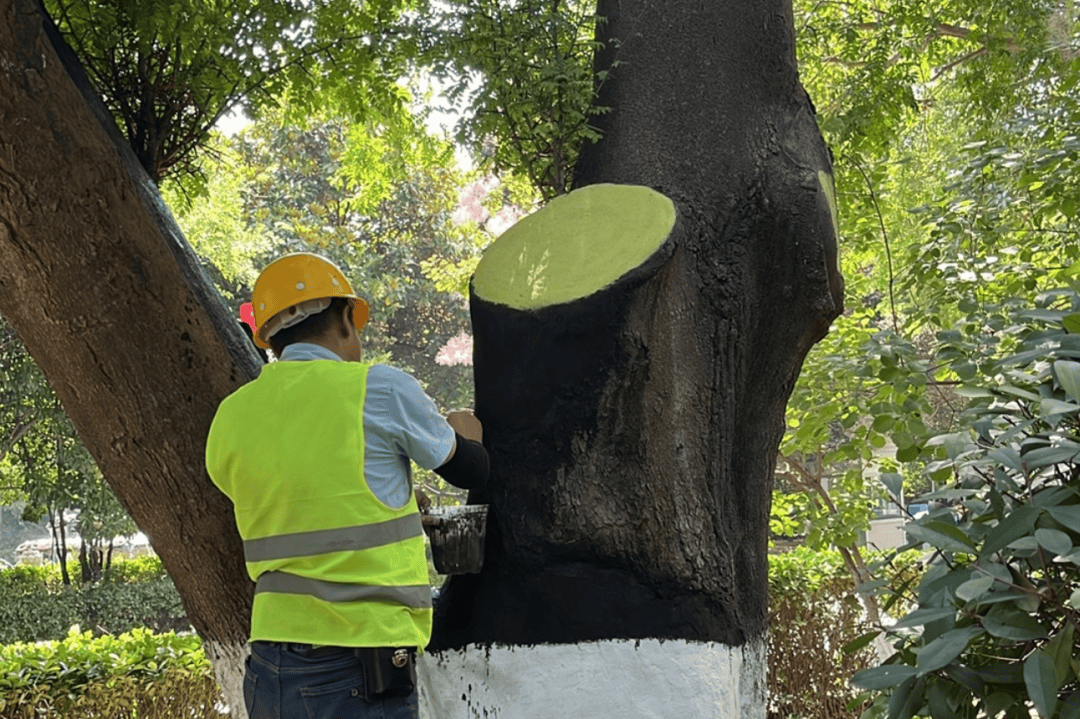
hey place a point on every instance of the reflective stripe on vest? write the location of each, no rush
(417, 597)
(324, 541)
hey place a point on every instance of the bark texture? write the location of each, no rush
(111, 303)
(633, 433)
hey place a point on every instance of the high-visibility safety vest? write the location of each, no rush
(332, 564)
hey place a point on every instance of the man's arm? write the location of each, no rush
(468, 464)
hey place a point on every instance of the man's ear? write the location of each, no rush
(347, 320)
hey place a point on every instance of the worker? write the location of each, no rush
(314, 455)
(247, 323)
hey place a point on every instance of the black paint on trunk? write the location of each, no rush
(633, 433)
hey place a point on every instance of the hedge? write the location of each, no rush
(35, 605)
(138, 674)
(813, 614)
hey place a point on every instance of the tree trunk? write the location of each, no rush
(109, 300)
(59, 540)
(634, 431)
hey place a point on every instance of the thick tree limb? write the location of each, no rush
(99, 283)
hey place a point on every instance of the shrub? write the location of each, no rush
(138, 569)
(813, 614)
(35, 605)
(994, 631)
(140, 674)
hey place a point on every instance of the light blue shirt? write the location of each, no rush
(400, 423)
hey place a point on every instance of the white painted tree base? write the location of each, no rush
(620, 679)
(228, 662)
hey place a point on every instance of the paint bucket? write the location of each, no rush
(457, 537)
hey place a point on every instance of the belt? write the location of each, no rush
(322, 650)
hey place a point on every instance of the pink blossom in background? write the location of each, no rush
(469, 207)
(503, 220)
(458, 350)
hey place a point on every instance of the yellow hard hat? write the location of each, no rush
(294, 283)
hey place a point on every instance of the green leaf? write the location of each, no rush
(1006, 457)
(1071, 710)
(973, 392)
(1040, 677)
(1014, 625)
(938, 699)
(1068, 375)
(1068, 516)
(974, 588)
(1054, 540)
(1050, 406)
(860, 642)
(940, 535)
(1073, 557)
(883, 423)
(894, 482)
(1002, 673)
(1046, 456)
(945, 648)
(1024, 544)
(923, 616)
(1052, 497)
(966, 677)
(1059, 649)
(999, 702)
(1014, 390)
(1015, 525)
(907, 698)
(907, 454)
(882, 677)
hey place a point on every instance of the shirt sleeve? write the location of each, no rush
(408, 417)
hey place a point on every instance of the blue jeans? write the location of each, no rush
(294, 681)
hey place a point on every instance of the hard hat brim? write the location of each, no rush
(360, 318)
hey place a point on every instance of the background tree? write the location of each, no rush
(957, 111)
(169, 75)
(44, 466)
(525, 72)
(382, 201)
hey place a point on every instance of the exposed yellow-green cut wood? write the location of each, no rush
(826, 182)
(574, 246)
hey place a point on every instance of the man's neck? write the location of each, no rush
(304, 351)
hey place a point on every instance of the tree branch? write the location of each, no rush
(885, 237)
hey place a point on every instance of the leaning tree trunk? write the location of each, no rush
(109, 300)
(633, 427)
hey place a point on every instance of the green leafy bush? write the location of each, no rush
(35, 604)
(140, 674)
(25, 575)
(139, 569)
(123, 571)
(994, 629)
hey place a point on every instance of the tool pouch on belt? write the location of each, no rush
(388, 672)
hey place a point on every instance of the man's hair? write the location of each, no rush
(311, 327)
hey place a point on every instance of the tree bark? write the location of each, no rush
(102, 289)
(634, 432)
